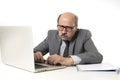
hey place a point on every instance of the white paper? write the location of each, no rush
(96, 67)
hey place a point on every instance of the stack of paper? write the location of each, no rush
(96, 67)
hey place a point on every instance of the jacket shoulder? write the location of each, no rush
(52, 32)
(84, 32)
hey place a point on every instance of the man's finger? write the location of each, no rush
(50, 60)
(39, 57)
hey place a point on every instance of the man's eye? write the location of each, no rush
(69, 27)
(62, 26)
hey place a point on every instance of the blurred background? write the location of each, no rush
(101, 17)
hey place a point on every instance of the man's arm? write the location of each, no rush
(59, 60)
(90, 54)
(41, 50)
(42, 47)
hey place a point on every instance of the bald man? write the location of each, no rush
(68, 45)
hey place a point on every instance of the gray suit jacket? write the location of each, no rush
(81, 45)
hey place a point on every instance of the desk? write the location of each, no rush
(69, 73)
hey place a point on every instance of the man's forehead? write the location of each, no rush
(67, 16)
(67, 20)
(68, 13)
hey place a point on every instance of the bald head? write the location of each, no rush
(67, 25)
(68, 16)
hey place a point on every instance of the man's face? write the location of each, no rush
(66, 28)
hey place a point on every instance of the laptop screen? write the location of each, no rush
(17, 47)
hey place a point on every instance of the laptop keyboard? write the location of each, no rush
(47, 67)
(40, 65)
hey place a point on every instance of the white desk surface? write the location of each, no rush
(69, 73)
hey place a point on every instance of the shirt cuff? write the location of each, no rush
(76, 59)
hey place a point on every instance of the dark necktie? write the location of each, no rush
(66, 49)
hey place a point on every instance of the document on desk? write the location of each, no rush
(96, 67)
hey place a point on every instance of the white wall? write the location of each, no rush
(101, 17)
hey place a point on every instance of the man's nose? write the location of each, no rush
(64, 30)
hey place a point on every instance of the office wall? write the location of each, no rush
(101, 17)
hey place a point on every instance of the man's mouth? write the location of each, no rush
(63, 35)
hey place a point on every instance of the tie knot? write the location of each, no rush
(67, 43)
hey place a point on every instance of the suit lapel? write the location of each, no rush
(71, 47)
(58, 45)
(72, 44)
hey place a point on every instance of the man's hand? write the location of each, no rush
(56, 59)
(38, 57)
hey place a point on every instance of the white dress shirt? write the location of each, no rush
(75, 58)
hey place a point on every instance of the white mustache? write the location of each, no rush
(64, 35)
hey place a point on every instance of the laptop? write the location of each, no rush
(17, 49)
